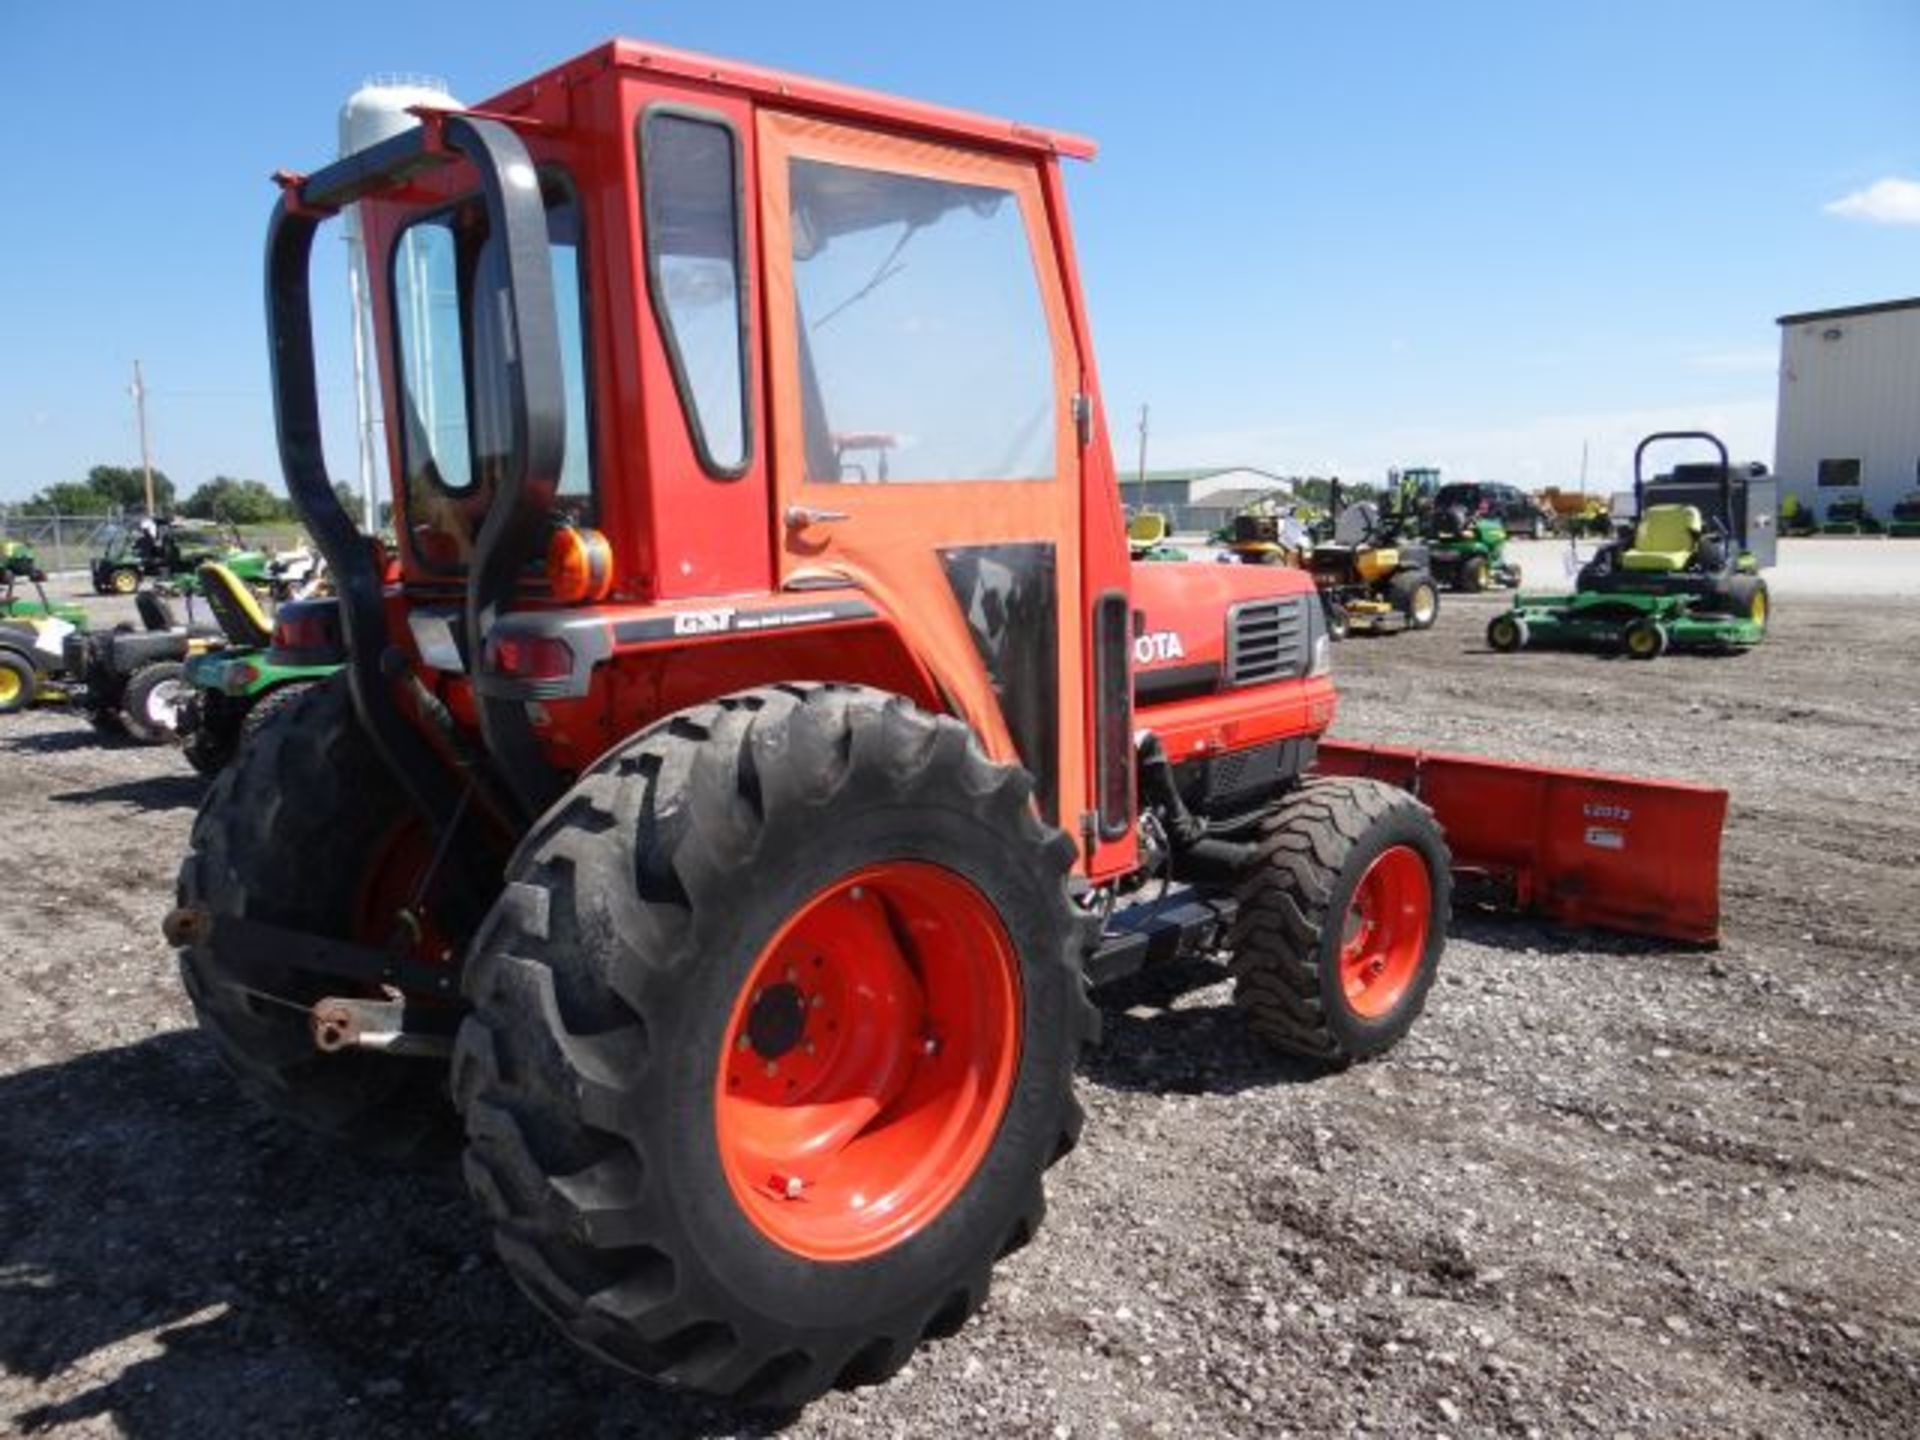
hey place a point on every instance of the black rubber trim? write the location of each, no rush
(1113, 713)
(1175, 682)
(743, 290)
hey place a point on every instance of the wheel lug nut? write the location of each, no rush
(930, 1046)
(788, 1186)
(741, 1043)
(773, 1067)
(858, 892)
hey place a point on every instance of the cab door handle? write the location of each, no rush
(799, 517)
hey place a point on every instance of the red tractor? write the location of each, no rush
(756, 742)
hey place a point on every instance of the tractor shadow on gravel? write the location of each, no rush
(153, 792)
(174, 1261)
(63, 742)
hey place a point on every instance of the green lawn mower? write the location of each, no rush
(231, 692)
(1470, 554)
(33, 632)
(1685, 576)
(1905, 524)
(1849, 515)
(1147, 537)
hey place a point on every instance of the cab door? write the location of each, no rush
(923, 376)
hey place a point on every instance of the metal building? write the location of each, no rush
(1849, 419)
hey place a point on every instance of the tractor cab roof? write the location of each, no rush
(792, 92)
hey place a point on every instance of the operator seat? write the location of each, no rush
(1146, 530)
(234, 606)
(1666, 539)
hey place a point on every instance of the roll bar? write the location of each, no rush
(524, 487)
(1726, 468)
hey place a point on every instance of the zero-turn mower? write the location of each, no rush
(1373, 573)
(1682, 574)
(726, 841)
(1851, 515)
(1905, 524)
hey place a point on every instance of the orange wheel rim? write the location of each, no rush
(1385, 935)
(868, 1061)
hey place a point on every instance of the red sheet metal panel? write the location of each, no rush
(1579, 846)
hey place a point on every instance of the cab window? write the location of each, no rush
(924, 348)
(456, 422)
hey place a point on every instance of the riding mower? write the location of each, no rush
(233, 691)
(32, 632)
(1905, 524)
(1797, 518)
(1370, 578)
(1147, 537)
(1683, 575)
(1470, 554)
(130, 680)
(1849, 515)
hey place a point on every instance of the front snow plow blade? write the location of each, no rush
(1577, 846)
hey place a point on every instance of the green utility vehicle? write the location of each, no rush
(171, 552)
(1683, 575)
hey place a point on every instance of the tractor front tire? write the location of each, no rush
(151, 704)
(294, 834)
(1342, 917)
(773, 1036)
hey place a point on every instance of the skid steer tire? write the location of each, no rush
(616, 1045)
(1342, 917)
(292, 835)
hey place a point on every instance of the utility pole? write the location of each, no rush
(146, 455)
(1583, 470)
(1143, 443)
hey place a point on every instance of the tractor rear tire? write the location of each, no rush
(654, 975)
(19, 682)
(269, 706)
(1342, 917)
(1416, 597)
(290, 835)
(151, 704)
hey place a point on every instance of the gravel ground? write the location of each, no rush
(1606, 1186)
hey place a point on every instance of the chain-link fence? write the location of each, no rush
(62, 542)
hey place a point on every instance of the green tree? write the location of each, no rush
(124, 487)
(244, 502)
(69, 497)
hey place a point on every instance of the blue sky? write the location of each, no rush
(1317, 237)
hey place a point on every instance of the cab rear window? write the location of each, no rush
(456, 423)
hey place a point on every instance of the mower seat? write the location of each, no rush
(1665, 539)
(1146, 530)
(155, 613)
(241, 619)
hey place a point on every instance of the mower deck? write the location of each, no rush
(1612, 620)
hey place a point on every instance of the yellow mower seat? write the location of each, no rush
(1665, 539)
(234, 606)
(1146, 530)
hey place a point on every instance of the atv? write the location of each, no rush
(1683, 574)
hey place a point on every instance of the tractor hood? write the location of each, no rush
(1203, 626)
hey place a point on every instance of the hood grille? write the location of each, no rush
(1266, 640)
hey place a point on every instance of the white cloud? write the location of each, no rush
(1530, 451)
(1891, 201)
